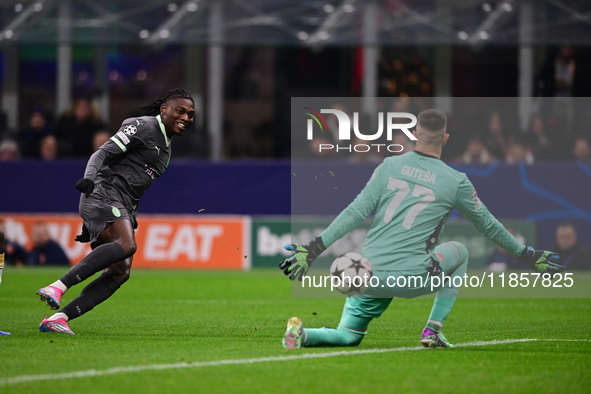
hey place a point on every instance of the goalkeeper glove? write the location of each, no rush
(85, 186)
(542, 261)
(296, 265)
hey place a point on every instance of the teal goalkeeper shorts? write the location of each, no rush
(373, 302)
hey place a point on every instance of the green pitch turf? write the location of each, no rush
(186, 326)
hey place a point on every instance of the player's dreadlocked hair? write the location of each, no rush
(153, 108)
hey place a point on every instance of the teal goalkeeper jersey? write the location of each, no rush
(413, 195)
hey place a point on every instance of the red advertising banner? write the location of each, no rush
(164, 241)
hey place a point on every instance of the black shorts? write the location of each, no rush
(102, 208)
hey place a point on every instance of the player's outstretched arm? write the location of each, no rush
(296, 265)
(109, 150)
(469, 205)
(86, 184)
(542, 261)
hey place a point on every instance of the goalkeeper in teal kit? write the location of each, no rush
(413, 195)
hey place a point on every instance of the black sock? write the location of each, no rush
(95, 261)
(96, 292)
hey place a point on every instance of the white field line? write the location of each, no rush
(160, 367)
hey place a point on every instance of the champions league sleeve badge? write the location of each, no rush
(130, 129)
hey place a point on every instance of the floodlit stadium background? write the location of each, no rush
(205, 308)
(243, 61)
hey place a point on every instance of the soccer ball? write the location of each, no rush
(353, 271)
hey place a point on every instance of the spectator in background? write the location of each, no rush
(402, 104)
(537, 141)
(457, 128)
(563, 75)
(48, 148)
(99, 138)
(76, 128)
(37, 128)
(518, 153)
(333, 123)
(495, 138)
(262, 143)
(501, 260)
(3, 121)
(326, 136)
(45, 250)
(573, 255)
(9, 150)
(401, 139)
(14, 253)
(476, 153)
(362, 151)
(581, 149)
(325, 153)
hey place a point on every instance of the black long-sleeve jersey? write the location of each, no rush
(130, 161)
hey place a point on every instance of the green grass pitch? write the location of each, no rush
(189, 324)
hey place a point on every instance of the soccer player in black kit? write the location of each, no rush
(116, 177)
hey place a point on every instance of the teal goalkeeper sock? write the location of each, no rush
(330, 337)
(441, 308)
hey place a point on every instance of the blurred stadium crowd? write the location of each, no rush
(493, 136)
(490, 136)
(76, 133)
(559, 131)
(43, 250)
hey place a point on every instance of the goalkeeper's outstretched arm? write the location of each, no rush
(358, 210)
(298, 264)
(469, 205)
